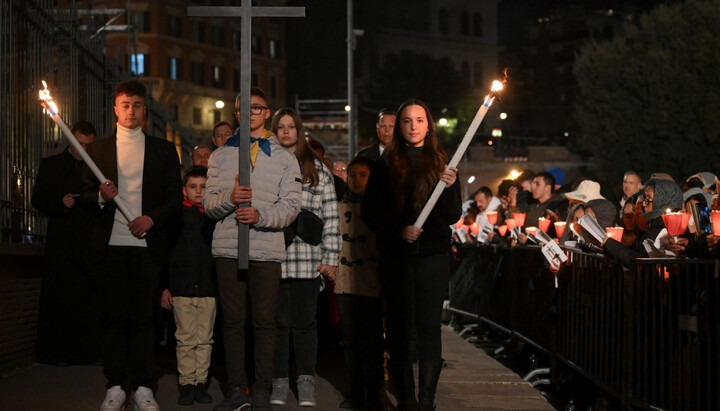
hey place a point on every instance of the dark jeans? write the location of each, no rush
(257, 289)
(296, 315)
(361, 320)
(130, 290)
(414, 289)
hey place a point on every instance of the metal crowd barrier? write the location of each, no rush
(648, 335)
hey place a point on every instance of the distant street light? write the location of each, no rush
(503, 116)
(496, 132)
(347, 108)
(220, 104)
(471, 179)
(442, 122)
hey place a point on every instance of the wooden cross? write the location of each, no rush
(246, 12)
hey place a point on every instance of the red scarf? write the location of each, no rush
(188, 203)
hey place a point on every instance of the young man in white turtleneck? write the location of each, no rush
(129, 255)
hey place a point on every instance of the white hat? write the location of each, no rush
(587, 190)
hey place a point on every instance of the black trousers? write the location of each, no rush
(129, 279)
(296, 318)
(415, 288)
(361, 322)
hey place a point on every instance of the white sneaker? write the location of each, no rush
(114, 399)
(144, 400)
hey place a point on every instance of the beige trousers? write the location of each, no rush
(194, 319)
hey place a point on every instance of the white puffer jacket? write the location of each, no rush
(277, 196)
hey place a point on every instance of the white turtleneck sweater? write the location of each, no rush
(130, 159)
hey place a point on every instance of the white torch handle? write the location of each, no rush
(91, 164)
(455, 160)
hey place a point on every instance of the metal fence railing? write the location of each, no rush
(648, 335)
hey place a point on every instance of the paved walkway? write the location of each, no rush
(471, 381)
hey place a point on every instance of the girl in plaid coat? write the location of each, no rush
(297, 299)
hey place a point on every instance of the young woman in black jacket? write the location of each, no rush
(414, 263)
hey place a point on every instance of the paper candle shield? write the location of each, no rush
(474, 229)
(676, 223)
(531, 230)
(492, 217)
(519, 219)
(502, 230)
(543, 224)
(510, 222)
(615, 233)
(715, 219)
(559, 228)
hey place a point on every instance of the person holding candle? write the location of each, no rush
(68, 325)
(542, 191)
(485, 201)
(274, 197)
(300, 284)
(414, 261)
(659, 195)
(145, 172)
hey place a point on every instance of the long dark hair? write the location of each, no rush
(303, 152)
(429, 167)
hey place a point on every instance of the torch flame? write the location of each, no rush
(46, 99)
(497, 85)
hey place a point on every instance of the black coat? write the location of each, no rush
(68, 230)
(161, 194)
(69, 324)
(380, 214)
(190, 263)
(372, 152)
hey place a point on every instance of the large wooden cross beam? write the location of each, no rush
(246, 12)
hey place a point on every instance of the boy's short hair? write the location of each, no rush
(130, 88)
(255, 91)
(194, 171)
(361, 161)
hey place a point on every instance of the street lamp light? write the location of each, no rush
(503, 116)
(442, 122)
(220, 104)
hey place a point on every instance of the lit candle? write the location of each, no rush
(510, 222)
(519, 219)
(497, 86)
(559, 228)
(492, 217)
(531, 230)
(675, 223)
(715, 218)
(543, 224)
(474, 229)
(52, 110)
(615, 233)
(502, 230)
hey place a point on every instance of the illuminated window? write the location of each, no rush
(139, 64)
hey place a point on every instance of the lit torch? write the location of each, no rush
(51, 109)
(497, 87)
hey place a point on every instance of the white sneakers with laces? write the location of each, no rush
(144, 400)
(114, 399)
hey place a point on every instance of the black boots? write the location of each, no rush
(427, 384)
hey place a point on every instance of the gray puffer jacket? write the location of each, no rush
(277, 196)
